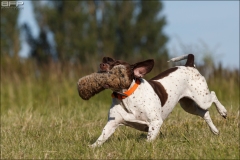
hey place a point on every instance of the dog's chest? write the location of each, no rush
(143, 102)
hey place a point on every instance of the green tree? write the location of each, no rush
(10, 43)
(40, 48)
(121, 29)
(117, 28)
(149, 29)
(73, 24)
(133, 29)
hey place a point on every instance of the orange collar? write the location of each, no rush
(128, 92)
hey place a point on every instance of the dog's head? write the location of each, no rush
(137, 70)
(113, 74)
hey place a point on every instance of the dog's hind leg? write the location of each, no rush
(205, 101)
(221, 109)
(191, 107)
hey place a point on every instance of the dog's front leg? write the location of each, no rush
(153, 130)
(108, 130)
(114, 120)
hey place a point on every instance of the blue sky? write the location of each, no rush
(192, 26)
(210, 26)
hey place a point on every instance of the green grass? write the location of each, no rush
(46, 119)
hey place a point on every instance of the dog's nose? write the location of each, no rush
(102, 65)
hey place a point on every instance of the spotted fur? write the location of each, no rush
(151, 103)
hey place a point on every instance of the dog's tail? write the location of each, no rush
(189, 57)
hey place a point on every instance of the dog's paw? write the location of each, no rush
(223, 113)
(92, 145)
(215, 131)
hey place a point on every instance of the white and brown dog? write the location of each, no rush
(144, 105)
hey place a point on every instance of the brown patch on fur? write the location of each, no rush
(142, 68)
(165, 73)
(140, 127)
(190, 61)
(188, 105)
(159, 90)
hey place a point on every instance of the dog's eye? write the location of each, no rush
(117, 63)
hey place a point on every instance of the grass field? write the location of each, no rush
(44, 118)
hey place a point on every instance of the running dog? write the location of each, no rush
(144, 105)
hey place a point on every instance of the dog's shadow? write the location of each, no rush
(143, 137)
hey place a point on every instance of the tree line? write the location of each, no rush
(85, 29)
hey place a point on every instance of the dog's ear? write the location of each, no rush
(142, 68)
(107, 59)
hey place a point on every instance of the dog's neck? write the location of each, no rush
(124, 93)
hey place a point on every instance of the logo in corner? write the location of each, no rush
(12, 4)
